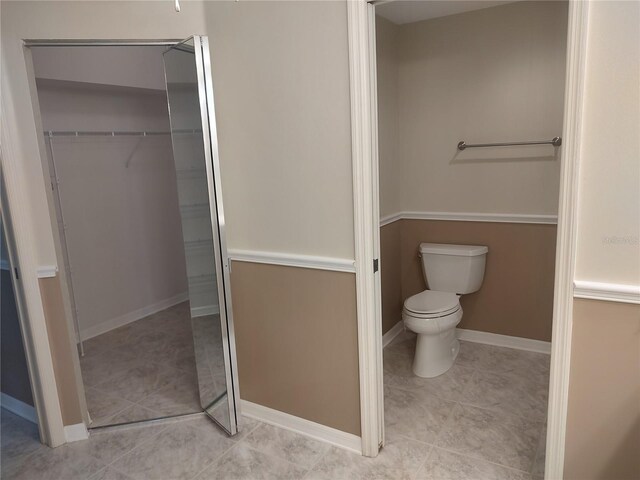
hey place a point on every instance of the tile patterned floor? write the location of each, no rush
(484, 419)
(143, 370)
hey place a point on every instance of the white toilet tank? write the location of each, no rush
(453, 268)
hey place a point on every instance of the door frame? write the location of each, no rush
(53, 432)
(39, 400)
(362, 67)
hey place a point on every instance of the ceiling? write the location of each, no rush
(402, 11)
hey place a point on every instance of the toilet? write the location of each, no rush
(450, 271)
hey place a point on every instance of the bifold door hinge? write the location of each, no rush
(375, 265)
(17, 274)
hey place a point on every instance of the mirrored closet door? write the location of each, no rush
(132, 152)
(195, 152)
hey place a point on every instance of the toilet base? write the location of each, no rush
(435, 354)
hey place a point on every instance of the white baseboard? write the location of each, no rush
(206, 310)
(308, 428)
(75, 433)
(18, 407)
(396, 330)
(498, 340)
(122, 320)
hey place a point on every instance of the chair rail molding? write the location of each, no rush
(472, 217)
(609, 292)
(293, 260)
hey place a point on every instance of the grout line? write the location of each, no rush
(136, 446)
(508, 467)
(320, 458)
(233, 445)
(425, 461)
(325, 446)
(216, 458)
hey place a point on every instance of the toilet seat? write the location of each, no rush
(432, 304)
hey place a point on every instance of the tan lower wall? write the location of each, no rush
(14, 372)
(61, 350)
(603, 417)
(391, 274)
(296, 339)
(516, 297)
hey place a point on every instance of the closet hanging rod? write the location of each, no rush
(555, 141)
(86, 133)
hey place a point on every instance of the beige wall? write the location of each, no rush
(609, 195)
(282, 108)
(297, 340)
(61, 350)
(119, 199)
(495, 74)
(14, 372)
(603, 418)
(281, 77)
(516, 297)
(391, 274)
(387, 38)
(603, 422)
(124, 66)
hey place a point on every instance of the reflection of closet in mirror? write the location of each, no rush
(136, 232)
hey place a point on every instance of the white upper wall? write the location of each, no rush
(387, 34)
(281, 81)
(122, 66)
(281, 75)
(608, 245)
(490, 75)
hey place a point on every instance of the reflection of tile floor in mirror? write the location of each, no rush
(484, 419)
(143, 370)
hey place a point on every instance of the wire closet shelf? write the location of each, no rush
(100, 133)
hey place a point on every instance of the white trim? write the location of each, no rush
(566, 239)
(18, 407)
(362, 87)
(205, 310)
(23, 253)
(129, 317)
(47, 271)
(609, 292)
(393, 332)
(314, 430)
(76, 433)
(498, 340)
(390, 219)
(293, 260)
(4, 264)
(472, 217)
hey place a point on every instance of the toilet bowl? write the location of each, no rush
(450, 270)
(433, 316)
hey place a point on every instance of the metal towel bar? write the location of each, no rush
(555, 141)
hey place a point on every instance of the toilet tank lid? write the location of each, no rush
(448, 249)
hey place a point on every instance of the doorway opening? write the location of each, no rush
(470, 100)
(129, 131)
(18, 418)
